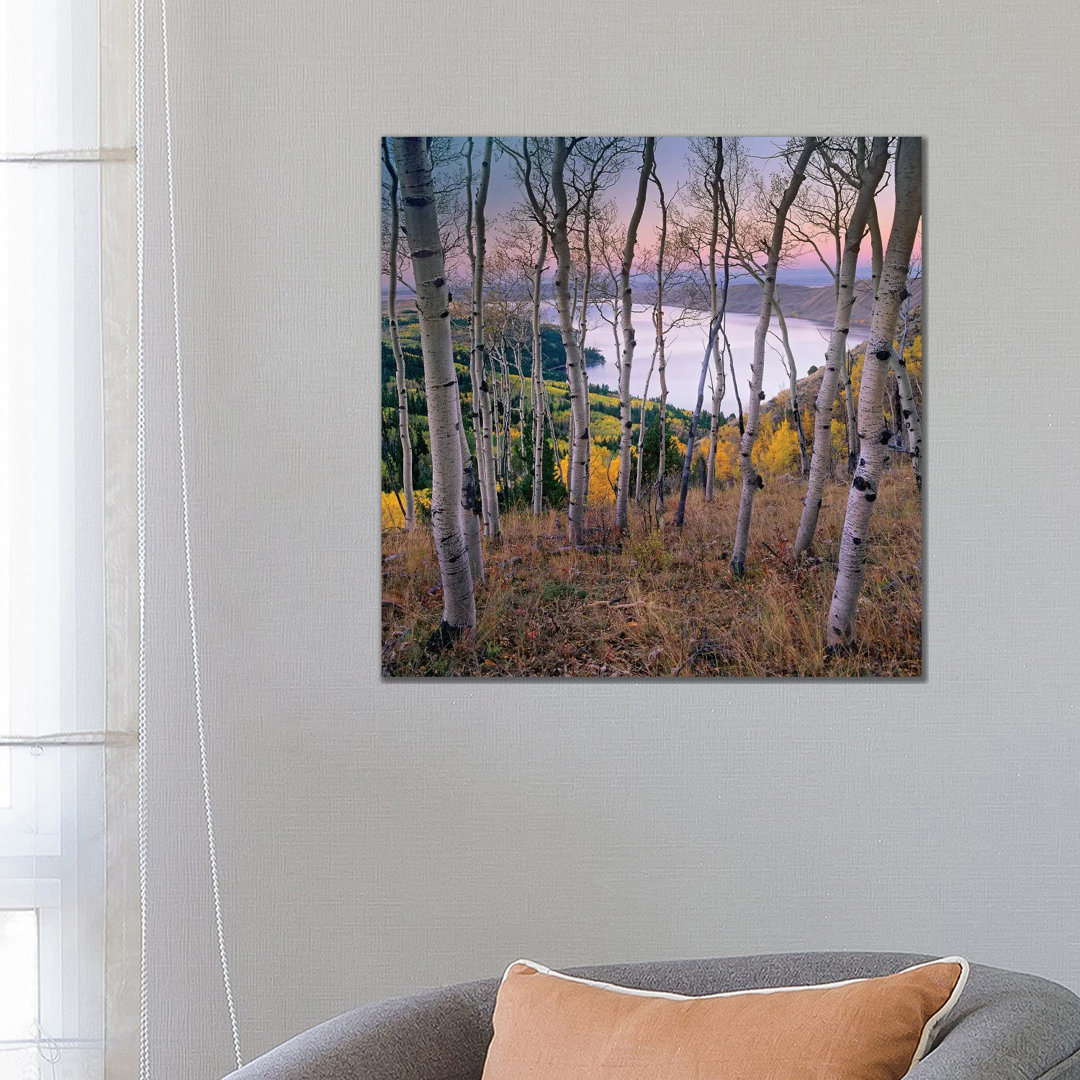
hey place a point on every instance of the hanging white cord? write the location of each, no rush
(187, 547)
(140, 469)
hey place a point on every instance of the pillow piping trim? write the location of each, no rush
(928, 1030)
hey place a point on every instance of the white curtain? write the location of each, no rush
(58, 199)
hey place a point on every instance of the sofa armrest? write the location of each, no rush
(441, 1034)
(1007, 1026)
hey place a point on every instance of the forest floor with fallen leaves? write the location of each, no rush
(664, 603)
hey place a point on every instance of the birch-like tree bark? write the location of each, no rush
(751, 481)
(849, 412)
(622, 496)
(440, 383)
(836, 355)
(578, 384)
(661, 354)
(854, 541)
(909, 410)
(691, 439)
(538, 379)
(483, 389)
(793, 385)
(713, 351)
(718, 201)
(472, 516)
(475, 378)
(642, 416)
(395, 345)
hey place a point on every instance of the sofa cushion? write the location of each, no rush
(551, 1026)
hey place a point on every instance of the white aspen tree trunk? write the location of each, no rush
(629, 340)
(505, 421)
(661, 420)
(850, 418)
(712, 351)
(892, 392)
(735, 385)
(475, 374)
(910, 412)
(551, 427)
(718, 356)
(751, 481)
(471, 482)
(494, 359)
(484, 390)
(877, 254)
(578, 385)
(661, 356)
(714, 432)
(472, 518)
(586, 246)
(836, 355)
(854, 540)
(909, 409)
(538, 380)
(710, 348)
(519, 366)
(642, 415)
(793, 386)
(395, 345)
(440, 384)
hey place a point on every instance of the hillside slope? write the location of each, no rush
(815, 303)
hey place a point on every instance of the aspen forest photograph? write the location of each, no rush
(652, 406)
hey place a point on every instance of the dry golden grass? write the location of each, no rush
(661, 606)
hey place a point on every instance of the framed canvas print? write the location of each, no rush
(651, 406)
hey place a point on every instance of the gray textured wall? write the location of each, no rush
(376, 838)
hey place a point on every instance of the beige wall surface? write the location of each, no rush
(375, 838)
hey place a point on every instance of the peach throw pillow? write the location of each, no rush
(550, 1026)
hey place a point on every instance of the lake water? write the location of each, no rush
(686, 347)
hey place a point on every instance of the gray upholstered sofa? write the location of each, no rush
(1006, 1026)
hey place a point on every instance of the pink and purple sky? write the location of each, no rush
(671, 152)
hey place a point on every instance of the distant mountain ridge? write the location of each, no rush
(813, 303)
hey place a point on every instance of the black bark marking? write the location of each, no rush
(444, 636)
(423, 253)
(884, 437)
(882, 354)
(760, 482)
(871, 496)
(444, 314)
(859, 484)
(417, 200)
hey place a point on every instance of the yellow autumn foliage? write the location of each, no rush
(780, 455)
(393, 516)
(603, 474)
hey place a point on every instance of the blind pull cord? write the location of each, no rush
(140, 96)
